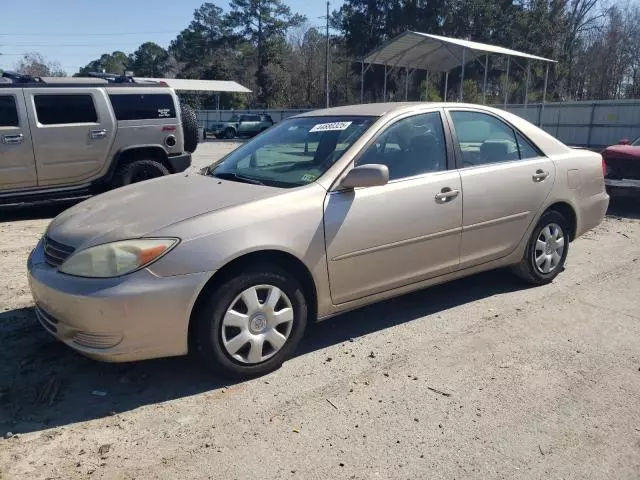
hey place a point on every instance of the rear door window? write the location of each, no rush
(65, 109)
(135, 106)
(8, 111)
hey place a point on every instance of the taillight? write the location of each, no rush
(604, 168)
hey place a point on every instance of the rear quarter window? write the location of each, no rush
(135, 106)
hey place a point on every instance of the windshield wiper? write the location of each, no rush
(235, 177)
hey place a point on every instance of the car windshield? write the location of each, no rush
(636, 142)
(294, 152)
(234, 118)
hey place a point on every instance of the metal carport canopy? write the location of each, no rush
(189, 85)
(424, 51)
(435, 53)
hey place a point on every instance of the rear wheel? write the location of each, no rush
(229, 133)
(546, 251)
(251, 323)
(138, 171)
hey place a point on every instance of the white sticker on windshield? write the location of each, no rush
(330, 127)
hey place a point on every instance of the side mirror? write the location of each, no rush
(372, 175)
(624, 141)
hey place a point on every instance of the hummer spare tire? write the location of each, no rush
(189, 127)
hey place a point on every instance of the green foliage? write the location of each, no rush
(265, 46)
(264, 23)
(115, 62)
(149, 60)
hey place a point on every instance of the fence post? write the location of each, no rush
(592, 116)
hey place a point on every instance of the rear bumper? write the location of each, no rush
(179, 163)
(626, 187)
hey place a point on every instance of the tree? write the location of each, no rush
(264, 23)
(207, 33)
(116, 62)
(36, 65)
(149, 60)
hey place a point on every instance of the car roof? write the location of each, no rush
(381, 109)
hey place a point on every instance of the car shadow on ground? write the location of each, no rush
(624, 208)
(36, 212)
(44, 384)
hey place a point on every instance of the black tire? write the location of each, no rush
(207, 328)
(527, 269)
(138, 171)
(229, 133)
(189, 127)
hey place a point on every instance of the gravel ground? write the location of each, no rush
(480, 378)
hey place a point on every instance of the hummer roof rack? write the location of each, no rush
(9, 78)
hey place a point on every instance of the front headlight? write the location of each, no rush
(117, 258)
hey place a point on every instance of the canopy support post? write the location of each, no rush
(464, 60)
(506, 83)
(218, 105)
(384, 91)
(362, 83)
(526, 86)
(406, 84)
(446, 85)
(484, 85)
(426, 88)
(544, 93)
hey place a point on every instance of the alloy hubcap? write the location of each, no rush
(549, 248)
(257, 324)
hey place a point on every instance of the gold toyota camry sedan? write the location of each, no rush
(322, 213)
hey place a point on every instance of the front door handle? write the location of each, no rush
(99, 133)
(540, 176)
(446, 195)
(12, 139)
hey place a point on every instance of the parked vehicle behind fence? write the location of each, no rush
(622, 163)
(245, 125)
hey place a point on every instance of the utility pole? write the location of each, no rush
(326, 72)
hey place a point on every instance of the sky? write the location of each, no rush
(74, 32)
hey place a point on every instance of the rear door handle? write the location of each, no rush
(540, 176)
(446, 195)
(99, 133)
(12, 139)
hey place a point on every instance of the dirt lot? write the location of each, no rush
(480, 378)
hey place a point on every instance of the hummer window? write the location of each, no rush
(8, 111)
(135, 106)
(65, 108)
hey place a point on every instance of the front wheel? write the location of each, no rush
(229, 134)
(546, 251)
(251, 323)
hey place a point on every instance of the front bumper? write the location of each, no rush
(134, 317)
(179, 163)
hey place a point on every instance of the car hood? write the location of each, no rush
(142, 208)
(622, 151)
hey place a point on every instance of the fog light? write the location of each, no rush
(170, 141)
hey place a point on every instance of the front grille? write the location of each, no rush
(56, 253)
(622, 168)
